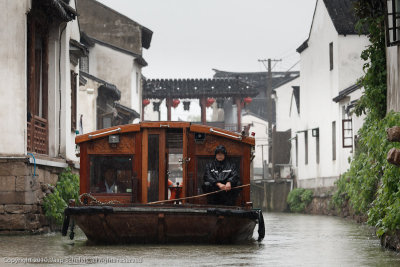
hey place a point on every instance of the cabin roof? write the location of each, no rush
(128, 128)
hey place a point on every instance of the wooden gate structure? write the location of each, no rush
(202, 89)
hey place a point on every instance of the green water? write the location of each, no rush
(291, 240)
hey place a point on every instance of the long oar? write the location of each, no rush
(202, 195)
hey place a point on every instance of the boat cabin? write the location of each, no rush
(153, 161)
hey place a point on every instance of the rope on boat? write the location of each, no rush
(202, 195)
(97, 201)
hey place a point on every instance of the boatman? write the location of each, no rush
(221, 174)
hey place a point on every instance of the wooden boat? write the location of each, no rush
(157, 172)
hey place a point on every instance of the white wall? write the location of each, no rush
(87, 97)
(283, 102)
(260, 127)
(318, 86)
(71, 32)
(117, 68)
(349, 49)
(13, 90)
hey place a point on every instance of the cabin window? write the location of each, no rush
(393, 22)
(111, 174)
(174, 160)
(153, 168)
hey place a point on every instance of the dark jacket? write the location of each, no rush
(221, 172)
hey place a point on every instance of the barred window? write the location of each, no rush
(393, 22)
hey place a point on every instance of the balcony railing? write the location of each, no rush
(38, 140)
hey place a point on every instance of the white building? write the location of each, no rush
(115, 43)
(323, 133)
(39, 68)
(259, 126)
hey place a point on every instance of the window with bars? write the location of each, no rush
(393, 22)
(347, 133)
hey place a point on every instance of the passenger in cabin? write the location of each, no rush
(221, 174)
(110, 184)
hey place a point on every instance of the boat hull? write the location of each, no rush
(110, 225)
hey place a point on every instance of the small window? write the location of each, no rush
(137, 83)
(297, 150)
(393, 22)
(306, 147)
(315, 133)
(111, 174)
(347, 133)
(334, 140)
(73, 100)
(331, 56)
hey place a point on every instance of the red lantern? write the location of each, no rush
(210, 101)
(175, 102)
(248, 100)
(145, 102)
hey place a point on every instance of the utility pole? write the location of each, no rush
(270, 117)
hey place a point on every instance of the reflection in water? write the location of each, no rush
(291, 240)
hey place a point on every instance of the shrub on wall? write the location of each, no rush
(66, 188)
(299, 198)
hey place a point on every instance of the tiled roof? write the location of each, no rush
(259, 81)
(346, 92)
(111, 88)
(195, 88)
(342, 15)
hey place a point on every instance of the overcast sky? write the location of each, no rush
(191, 37)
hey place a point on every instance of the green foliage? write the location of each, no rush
(372, 185)
(373, 101)
(66, 188)
(369, 170)
(299, 198)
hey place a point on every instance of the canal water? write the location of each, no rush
(291, 240)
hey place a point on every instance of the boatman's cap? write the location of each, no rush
(220, 149)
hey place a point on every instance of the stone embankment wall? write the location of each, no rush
(21, 196)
